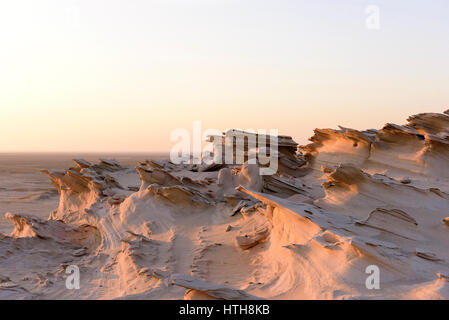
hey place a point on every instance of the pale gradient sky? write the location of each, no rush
(124, 74)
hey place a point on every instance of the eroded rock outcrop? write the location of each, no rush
(349, 200)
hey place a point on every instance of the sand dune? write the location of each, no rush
(348, 200)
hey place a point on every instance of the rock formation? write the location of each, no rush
(348, 200)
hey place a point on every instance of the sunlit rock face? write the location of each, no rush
(347, 203)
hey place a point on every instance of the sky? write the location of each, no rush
(120, 76)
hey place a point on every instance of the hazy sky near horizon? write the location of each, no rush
(108, 75)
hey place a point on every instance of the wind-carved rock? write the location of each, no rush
(348, 200)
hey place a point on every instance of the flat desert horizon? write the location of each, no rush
(224, 150)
